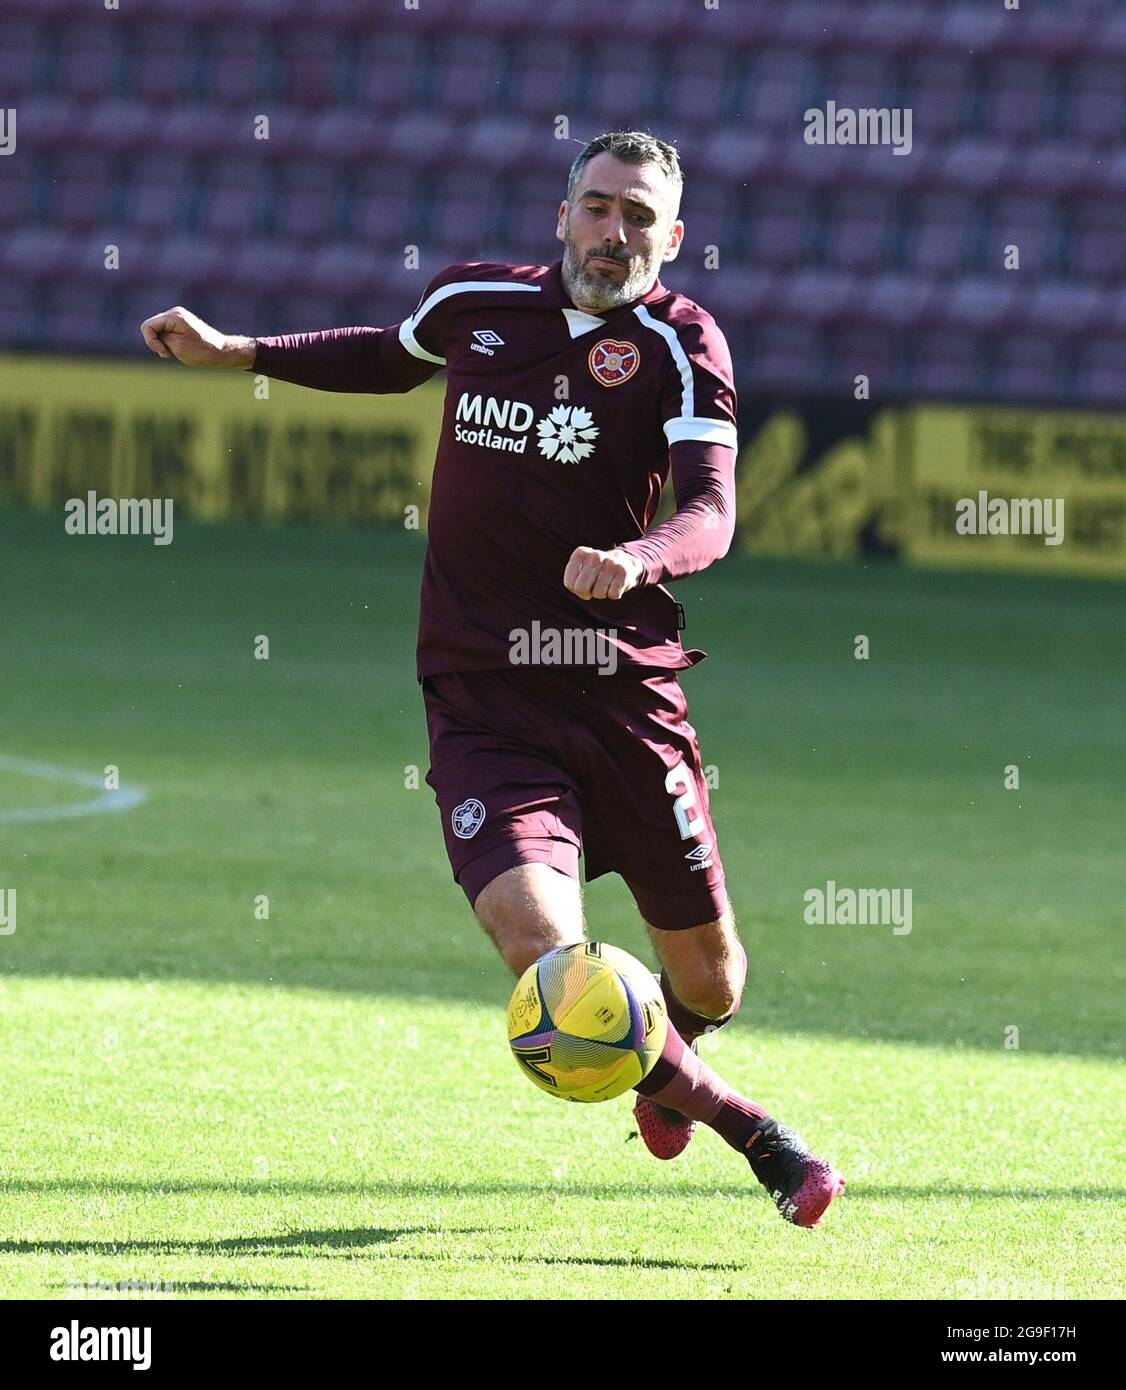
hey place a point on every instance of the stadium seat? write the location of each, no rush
(775, 89)
(390, 65)
(1058, 309)
(1018, 101)
(939, 90)
(858, 229)
(17, 197)
(948, 365)
(78, 315)
(1101, 369)
(778, 228)
(856, 80)
(88, 62)
(311, 61)
(940, 233)
(542, 83)
(234, 68)
(1095, 106)
(233, 202)
(979, 303)
(624, 92)
(1031, 224)
(897, 301)
(20, 315)
(22, 55)
(502, 144)
(1096, 248)
(159, 195)
(1029, 370)
(466, 76)
(307, 208)
(697, 86)
(891, 28)
(785, 357)
(821, 297)
(1057, 167)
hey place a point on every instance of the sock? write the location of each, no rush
(692, 1025)
(681, 1081)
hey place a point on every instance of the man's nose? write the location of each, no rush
(616, 232)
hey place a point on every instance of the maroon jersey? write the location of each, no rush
(559, 430)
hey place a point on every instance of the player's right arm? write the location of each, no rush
(376, 360)
(181, 334)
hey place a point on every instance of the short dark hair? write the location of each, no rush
(631, 147)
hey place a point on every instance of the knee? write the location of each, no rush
(528, 911)
(715, 989)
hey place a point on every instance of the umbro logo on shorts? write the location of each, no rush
(467, 819)
(702, 854)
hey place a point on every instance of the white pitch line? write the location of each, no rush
(123, 799)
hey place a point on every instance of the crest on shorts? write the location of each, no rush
(613, 361)
(467, 818)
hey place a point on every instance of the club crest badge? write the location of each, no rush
(467, 819)
(612, 361)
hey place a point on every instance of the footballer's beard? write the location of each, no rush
(595, 291)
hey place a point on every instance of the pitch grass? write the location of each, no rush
(322, 1105)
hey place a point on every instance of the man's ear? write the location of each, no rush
(561, 225)
(676, 236)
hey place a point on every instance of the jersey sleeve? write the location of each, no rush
(703, 526)
(379, 361)
(698, 398)
(697, 410)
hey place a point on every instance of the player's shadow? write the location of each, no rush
(857, 1191)
(187, 1286)
(331, 1240)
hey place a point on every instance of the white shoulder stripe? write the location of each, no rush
(414, 347)
(701, 428)
(679, 356)
(408, 326)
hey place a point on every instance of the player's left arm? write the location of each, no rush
(698, 409)
(700, 531)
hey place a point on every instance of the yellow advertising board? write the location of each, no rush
(977, 475)
(223, 445)
(974, 487)
(968, 486)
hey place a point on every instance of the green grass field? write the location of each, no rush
(322, 1104)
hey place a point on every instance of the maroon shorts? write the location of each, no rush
(540, 765)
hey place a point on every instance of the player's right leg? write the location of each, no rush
(528, 910)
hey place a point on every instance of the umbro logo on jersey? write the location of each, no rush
(487, 340)
(612, 361)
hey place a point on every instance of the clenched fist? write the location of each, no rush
(602, 573)
(179, 333)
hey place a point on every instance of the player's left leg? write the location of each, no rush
(703, 978)
(649, 820)
(703, 972)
